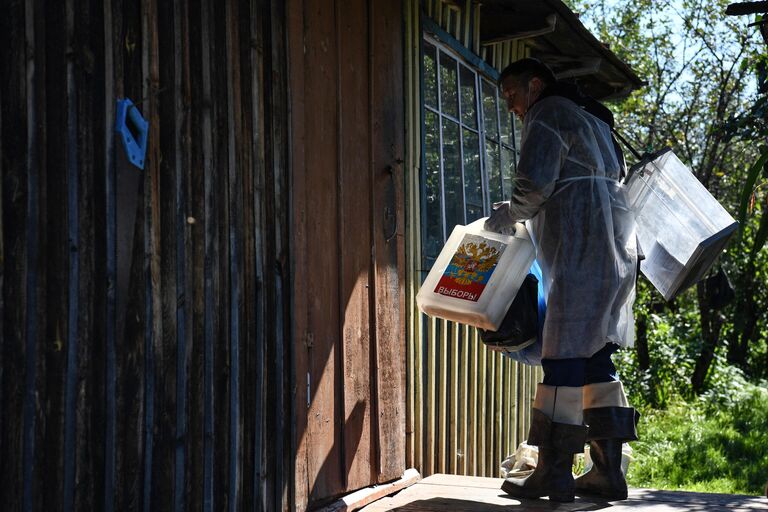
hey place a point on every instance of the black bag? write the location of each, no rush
(521, 323)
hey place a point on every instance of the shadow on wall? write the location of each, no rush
(353, 431)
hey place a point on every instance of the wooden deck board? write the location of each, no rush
(455, 493)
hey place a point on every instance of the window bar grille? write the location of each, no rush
(461, 142)
(438, 61)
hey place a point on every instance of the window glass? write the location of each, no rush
(493, 171)
(449, 85)
(430, 75)
(473, 183)
(433, 239)
(454, 194)
(507, 133)
(468, 98)
(490, 119)
(507, 171)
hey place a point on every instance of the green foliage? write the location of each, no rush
(670, 362)
(703, 445)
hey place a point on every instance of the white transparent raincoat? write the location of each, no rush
(584, 232)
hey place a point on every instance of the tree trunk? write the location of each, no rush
(641, 343)
(711, 323)
(745, 316)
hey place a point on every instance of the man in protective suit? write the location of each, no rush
(568, 187)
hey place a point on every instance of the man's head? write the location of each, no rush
(522, 82)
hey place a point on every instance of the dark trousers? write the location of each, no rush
(580, 371)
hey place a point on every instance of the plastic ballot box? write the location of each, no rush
(681, 228)
(477, 275)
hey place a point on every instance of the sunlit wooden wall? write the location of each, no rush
(467, 407)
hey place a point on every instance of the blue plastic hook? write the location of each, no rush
(133, 131)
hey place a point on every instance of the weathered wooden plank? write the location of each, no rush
(283, 376)
(530, 391)
(152, 252)
(235, 245)
(484, 409)
(210, 264)
(90, 426)
(322, 244)
(164, 290)
(529, 396)
(182, 149)
(358, 499)
(51, 51)
(463, 405)
(521, 434)
(222, 347)
(489, 418)
(35, 235)
(414, 163)
(261, 490)
(75, 243)
(300, 301)
(411, 72)
(246, 16)
(453, 385)
(431, 398)
(113, 88)
(355, 240)
(263, 463)
(131, 278)
(499, 416)
(195, 250)
(512, 408)
(256, 198)
(389, 209)
(509, 410)
(13, 91)
(473, 404)
(126, 79)
(2, 261)
(442, 391)
(419, 395)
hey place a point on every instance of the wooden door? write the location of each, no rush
(345, 61)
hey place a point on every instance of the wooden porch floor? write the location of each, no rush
(451, 493)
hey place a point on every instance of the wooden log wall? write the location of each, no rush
(172, 393)
(468, 407)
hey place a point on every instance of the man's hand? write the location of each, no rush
(501, 220)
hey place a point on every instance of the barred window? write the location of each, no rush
(469, 148)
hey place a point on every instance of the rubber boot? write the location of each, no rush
(608, 428)
(558, 441)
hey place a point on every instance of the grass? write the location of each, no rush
(709, 445)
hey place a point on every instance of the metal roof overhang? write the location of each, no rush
(558, 38)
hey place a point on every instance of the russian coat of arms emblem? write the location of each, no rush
(470, 268)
